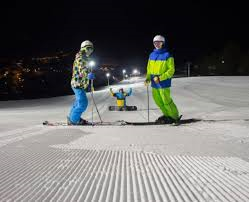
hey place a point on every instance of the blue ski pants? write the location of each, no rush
(79, 105)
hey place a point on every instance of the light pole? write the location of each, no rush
(188, 70)
(124, 71)
(107, 76)
(92, 64)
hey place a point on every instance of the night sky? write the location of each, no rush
(121, 31)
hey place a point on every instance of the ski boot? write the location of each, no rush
(164, 120)
(81, 122)
(177, 122)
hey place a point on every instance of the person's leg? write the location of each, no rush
(73, 106)
(157, 98)
(120, 103)
(169, 107)
(79, 106)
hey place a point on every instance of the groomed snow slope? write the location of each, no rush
(202, 161)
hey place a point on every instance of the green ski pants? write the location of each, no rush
(165, 103)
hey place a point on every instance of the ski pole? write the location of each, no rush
(92, 99)
(148, 101)
(94, 102)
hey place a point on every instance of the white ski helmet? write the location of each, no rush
(86, 43)
(159, 38)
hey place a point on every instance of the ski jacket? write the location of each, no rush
(160, 64)
(80, 71)
(121, 97)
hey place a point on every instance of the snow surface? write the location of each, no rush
(202, 161)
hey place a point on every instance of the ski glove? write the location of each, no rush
(147, 82)
(91, 76)
(156, 79)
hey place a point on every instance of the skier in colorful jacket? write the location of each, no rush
(80, 80)
(121, 96)
(160, 70)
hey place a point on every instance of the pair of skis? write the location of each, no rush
(114, 123)
(127, 123)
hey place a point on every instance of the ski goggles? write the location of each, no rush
(158, 43)
(89, 48)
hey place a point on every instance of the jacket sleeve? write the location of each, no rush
(148, 71)
(112, 93)
(171, 69)
(81, 63)
(129, 93)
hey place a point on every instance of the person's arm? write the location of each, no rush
(81, 66)
(112, 93)
(171, 69)
(129, 93)
(148, 72)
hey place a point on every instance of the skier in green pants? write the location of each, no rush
(160, 70)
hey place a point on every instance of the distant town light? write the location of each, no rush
(135, 71)
(6, 73)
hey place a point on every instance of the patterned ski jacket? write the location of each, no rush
(160, 64)
(80, 71)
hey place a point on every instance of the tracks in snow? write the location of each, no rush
(77, 175)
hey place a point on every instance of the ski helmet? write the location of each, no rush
(86, 43)
(159, 38)
(121, 89)
(87, 46)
